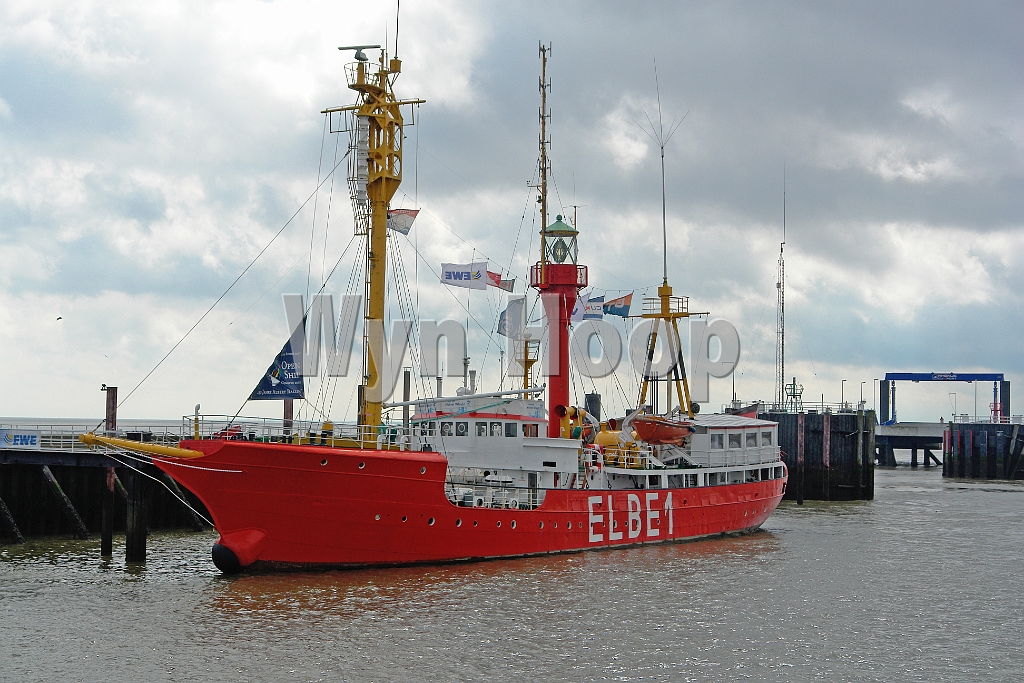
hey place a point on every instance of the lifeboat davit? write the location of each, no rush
(656, 429)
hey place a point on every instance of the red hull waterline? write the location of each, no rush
(285, 505)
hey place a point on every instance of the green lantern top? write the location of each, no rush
(561, 242)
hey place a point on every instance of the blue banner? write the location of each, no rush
(282, 379)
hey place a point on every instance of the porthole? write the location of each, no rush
(475, 522)
(542, 525)
(404, 518)
(569, 525)
(430, 522)
(513, 524)
(556, 525)
(499, 523)
(377, 517)
(744, 513)
(322, 463)
(361, 465)
(423, 470)
(458, 522)
(615, 524)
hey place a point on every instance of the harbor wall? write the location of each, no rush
(830, 456)
(37, 511)
(983, 451)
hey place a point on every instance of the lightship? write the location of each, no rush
(478, 475)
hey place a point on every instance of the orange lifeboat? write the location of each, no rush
(661, 430)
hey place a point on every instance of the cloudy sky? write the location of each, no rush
(149, 151)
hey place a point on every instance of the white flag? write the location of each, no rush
(400, 220)
(580, 308)
(470, 275)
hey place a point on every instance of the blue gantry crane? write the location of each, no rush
(1000, 407)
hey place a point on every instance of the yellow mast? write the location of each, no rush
(377, 106)
(669, 309)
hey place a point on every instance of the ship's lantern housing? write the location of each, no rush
(560, 242)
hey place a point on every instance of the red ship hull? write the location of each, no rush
(283, 505)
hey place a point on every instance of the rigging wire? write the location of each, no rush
(305, 313)
(159, 481)
(316, 202)
(233, 283)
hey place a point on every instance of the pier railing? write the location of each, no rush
(64, 437)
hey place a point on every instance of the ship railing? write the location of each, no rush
(676, 304)
(305, 432)
(362, 72)
(631, 456)
(495, 495)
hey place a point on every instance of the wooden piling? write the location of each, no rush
(69, 510)
(135, 533)
(826, 447)
(12, 527)
(197, 522)
(107, 533)
(800, 458)
(858, 474)
(110, 423)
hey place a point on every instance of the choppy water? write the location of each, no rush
(923, 584)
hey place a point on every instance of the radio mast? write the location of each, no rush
(780, 326)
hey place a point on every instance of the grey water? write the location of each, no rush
(924, 583)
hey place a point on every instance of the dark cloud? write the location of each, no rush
(149, 159)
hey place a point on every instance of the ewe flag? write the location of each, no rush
(494, 280)
(619, 306)
(594, 308)
(470, 275)
(400, 220)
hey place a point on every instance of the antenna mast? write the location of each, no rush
(780, 328)
(544, 141)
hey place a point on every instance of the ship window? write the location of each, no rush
(752, 476)
(717, 441)
(495, 429)
(778, 473)
(510, 429)
(654, 482)
(766, 438)
(481, 429)
(736, 477)
(735, 440)
(751, 439)
(446, 429)
(690, 480)
(529, 430)
(461, 429)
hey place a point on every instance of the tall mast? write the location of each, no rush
(666, 308)
(376, 127)
(780, 328)
(543, 143)
(557, 276)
